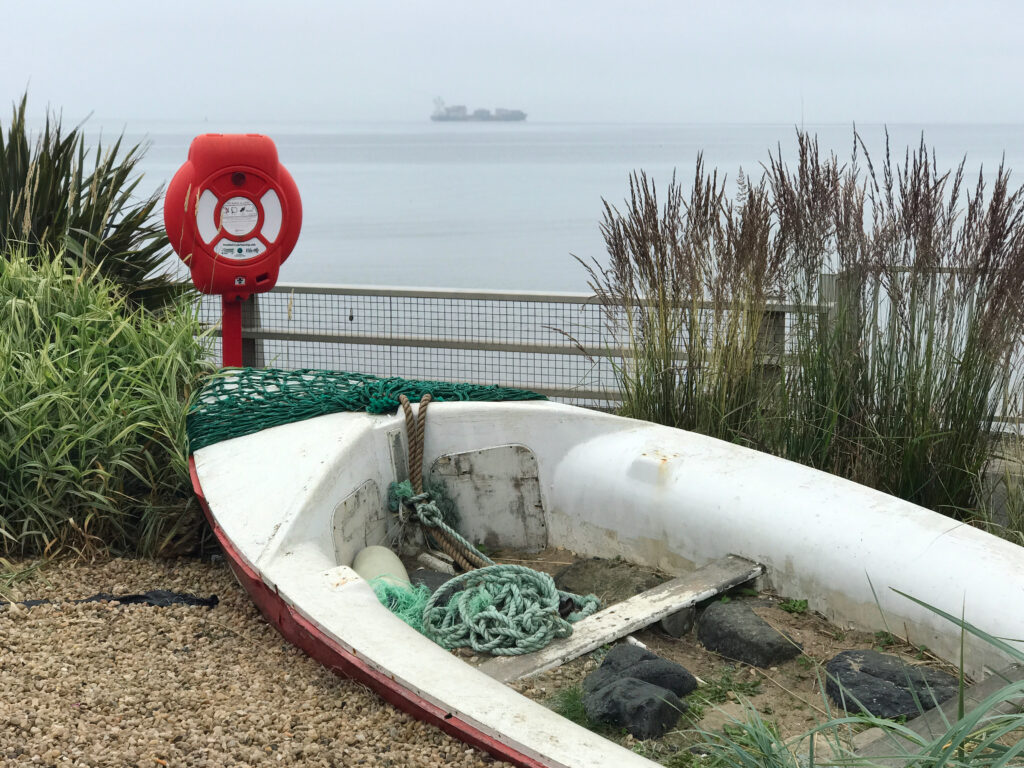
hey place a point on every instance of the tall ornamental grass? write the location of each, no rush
(92, 414)
(863, 319)
(55, 195)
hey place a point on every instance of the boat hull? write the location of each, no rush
(293, 504)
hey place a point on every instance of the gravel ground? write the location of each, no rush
(100, 684)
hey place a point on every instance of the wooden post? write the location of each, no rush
(230, 332)
(252, 348)
(771, 347)
(827, 297)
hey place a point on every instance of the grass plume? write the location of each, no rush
(863, 319)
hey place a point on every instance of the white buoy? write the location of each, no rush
(380, 562)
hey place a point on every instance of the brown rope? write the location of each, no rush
(416, 429)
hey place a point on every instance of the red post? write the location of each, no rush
(233, 214)
(231, 332)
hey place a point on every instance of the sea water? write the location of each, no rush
(509, 205)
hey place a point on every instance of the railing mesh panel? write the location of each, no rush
(532, 343)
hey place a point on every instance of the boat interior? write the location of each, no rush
(539, 474)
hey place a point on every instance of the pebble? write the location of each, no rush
(97, 684)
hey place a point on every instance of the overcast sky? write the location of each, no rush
(589, 61)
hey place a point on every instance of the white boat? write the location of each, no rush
(293, 504)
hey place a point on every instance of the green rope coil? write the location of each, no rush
(503, 610)
(241, 401)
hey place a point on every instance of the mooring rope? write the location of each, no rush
(504, 610)
(460, 550)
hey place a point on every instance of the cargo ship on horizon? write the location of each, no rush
(459, 114)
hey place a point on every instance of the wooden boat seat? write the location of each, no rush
(630, 615)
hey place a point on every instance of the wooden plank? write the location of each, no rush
(628, 616)
(888, 747)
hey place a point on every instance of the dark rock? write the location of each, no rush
(643, 709)
(611, 580)
(665, 674)
(735, 631)
(630, 661)
(679, 623)
(660, 672)
(882, 683)
(626, 655)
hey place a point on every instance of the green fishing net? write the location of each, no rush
(405, 601)
(240, 401)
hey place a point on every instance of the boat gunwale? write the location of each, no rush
(302, 633)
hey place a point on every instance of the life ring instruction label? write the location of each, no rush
(247, 249)
(238, 216)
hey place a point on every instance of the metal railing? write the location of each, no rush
(553, 343)
(559, 344)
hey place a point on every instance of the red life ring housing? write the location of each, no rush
(233, 214)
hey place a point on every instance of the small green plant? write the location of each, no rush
(696, 710)
(805, 661)
(11, 574)
(568, 702)
(885, 639)
(794, 606)
(749, 742)
(720, 689)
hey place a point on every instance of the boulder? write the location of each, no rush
(626, 655)
(645, 710)
(736, 632)
(883, 684)
(679, 623)
(628, 661)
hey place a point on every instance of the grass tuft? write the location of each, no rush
(568, 702)
(58, 196)
(92, 441)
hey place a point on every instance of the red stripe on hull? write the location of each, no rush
(301, 633)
